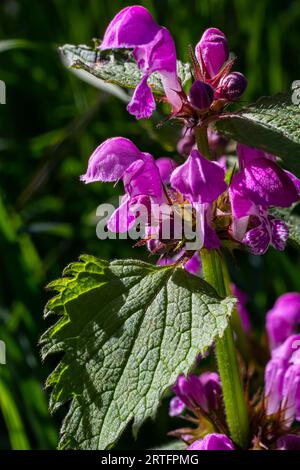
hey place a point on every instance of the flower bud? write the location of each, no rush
(212, 51)
(232, 86)
(201, 95)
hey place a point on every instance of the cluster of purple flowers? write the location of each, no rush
(238, 211)
(272, 416)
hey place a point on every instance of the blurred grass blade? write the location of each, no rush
(13, 421)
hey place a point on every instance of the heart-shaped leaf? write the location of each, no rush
(126, 330)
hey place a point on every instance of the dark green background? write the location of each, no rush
(49, 127)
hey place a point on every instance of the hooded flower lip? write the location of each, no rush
(283, 319)
(199, 179)
(154, 51)
(110, 160)
(212, 51)
(213, 442)
(264, 183)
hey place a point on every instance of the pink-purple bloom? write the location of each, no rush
(212, 442)
(260, 184)
(154, 51)
(282, 381)
(203, 391)
(283, 319)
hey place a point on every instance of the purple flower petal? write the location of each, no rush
(121, 220)
(212, 50)
(283, 319)
(199, 179)
(213, 442)
(165, 166)
(264, 183)
(176, 407)
(279, 233)
(143, 178)
(142, 103)
(269, 231)
(194, 265)
(202, 391)
(247, 154)
(280, 390)
(288, 442)
(258, 239)
(110, 160)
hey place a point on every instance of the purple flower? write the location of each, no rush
(199, 179)
(213, 442)
(154, 51)
(283, 319)
(212, 52)
(202, 391)
(260, 184)
(241, 307)
(282, 380)
(201, 95)
(118, 158)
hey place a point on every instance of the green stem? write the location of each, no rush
(202, 141)
(234, 399)
(216, 274)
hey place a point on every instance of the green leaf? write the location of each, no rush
(127, 330)
(117, 66)
(293, 223)
(272, 124)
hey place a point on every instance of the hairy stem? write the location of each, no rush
(234, 399)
